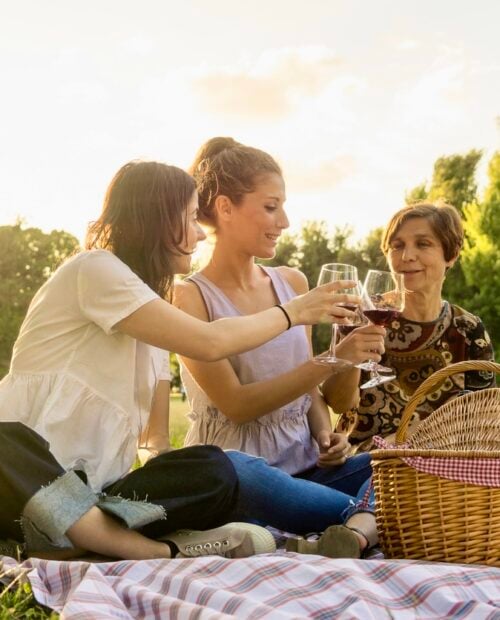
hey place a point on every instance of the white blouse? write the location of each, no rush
(83, 386)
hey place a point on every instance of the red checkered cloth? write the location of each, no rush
(479, 471)
(281, 586)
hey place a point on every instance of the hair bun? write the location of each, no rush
(211, 149)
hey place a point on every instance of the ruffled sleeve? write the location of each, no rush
(108, 290)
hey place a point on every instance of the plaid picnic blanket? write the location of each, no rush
(275, 587)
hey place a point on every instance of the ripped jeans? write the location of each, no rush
(193, 488)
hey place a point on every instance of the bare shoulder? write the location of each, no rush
(295, 278)
(187, 297)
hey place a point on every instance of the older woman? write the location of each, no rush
(422, 242)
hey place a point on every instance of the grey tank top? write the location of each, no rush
(282, 436)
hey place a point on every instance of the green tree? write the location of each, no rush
(481, 254)
(416, 194)
(286, 252)
(367, 254)
(454, 179)
(491, 209)
(314, 250)
(28, 257)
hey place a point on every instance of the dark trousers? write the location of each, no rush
(197, 486)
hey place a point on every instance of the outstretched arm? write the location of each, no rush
(243, 402)
(165, 326)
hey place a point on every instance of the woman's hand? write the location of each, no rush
(363, 343)
(333, 448)
(320, 305)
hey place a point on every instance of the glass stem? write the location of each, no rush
(373, 369)
(333, 341)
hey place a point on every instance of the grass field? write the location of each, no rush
(178, 420)
(18, 603)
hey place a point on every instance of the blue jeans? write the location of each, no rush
(347, 478)
(269, 496)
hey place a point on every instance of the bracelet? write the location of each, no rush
(289, 321)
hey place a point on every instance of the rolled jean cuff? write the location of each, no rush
(134, 514)
(365, 504)
(53, 510)
(355, 508)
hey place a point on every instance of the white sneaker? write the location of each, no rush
(233, 540)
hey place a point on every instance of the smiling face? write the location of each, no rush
(181, 263)
(256, 223)
(416, 252)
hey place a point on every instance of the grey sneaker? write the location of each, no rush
(233, 540)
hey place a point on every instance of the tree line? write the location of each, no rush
(29, 256)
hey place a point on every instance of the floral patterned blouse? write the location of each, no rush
(415, 350)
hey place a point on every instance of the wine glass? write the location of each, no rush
(333, 272)
(344, 329)
(382, 300)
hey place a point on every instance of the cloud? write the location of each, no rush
(408, 44)
(270, 87)
(435, 98)
(138, 45)
(322, 175)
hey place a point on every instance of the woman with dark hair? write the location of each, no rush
(90, 365)
(421, 241)
(265, 402)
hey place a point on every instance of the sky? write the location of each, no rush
(356, 99)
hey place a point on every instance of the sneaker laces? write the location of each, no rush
(218, 547)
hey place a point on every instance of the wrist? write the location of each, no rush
(157, 443)
(288, 309)
(146, 454)
(285, 314)
(319, 372)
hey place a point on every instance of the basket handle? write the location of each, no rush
(434, 381)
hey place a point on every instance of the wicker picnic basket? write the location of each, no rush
(428, 517)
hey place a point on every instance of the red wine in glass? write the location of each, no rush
(333, 272)
(382, 301)
(381, 316)
(344, 330)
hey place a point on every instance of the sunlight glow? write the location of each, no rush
(355, 110)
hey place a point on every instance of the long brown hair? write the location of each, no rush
(143, 220)
(224, 167)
